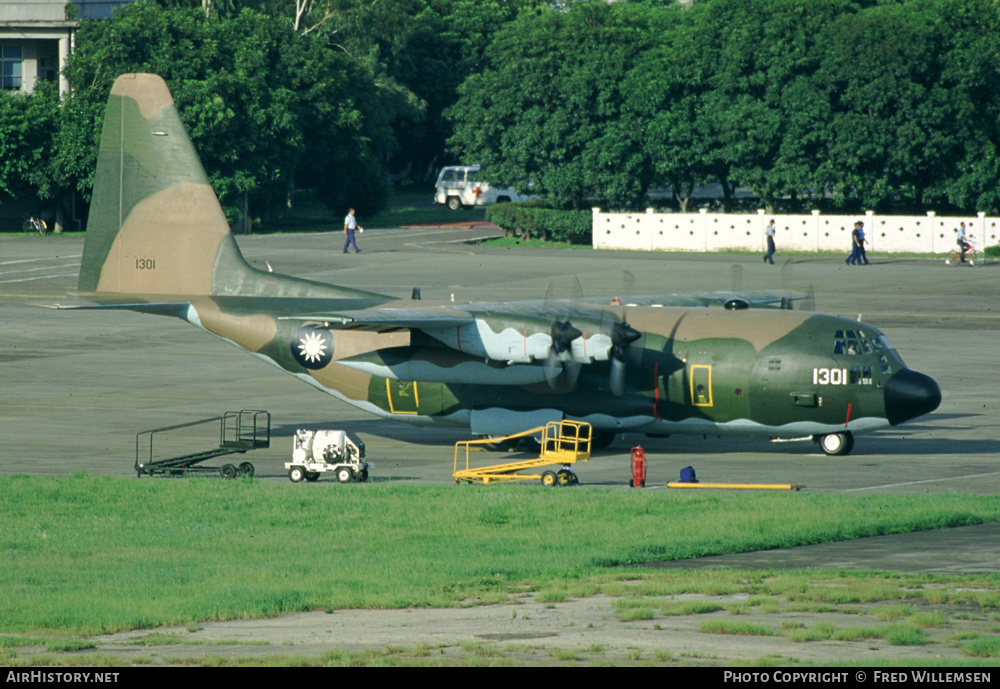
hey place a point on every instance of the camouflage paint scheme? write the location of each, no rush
(158, 242)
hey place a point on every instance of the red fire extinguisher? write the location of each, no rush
(638, 468)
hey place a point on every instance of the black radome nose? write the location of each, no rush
(909, 394)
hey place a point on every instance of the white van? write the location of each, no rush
(458, 187)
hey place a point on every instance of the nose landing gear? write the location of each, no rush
(836, 444)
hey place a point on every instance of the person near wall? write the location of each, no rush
(857, 245)
(769, 232)
(963, 245)
(862, 254)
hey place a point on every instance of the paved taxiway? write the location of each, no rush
(78, 386)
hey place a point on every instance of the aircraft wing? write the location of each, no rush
(430, 315)
(754, 299)
(390, 318)
(582, 330)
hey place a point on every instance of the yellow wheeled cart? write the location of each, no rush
(562, 442)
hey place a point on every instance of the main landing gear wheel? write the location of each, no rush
(836, 444)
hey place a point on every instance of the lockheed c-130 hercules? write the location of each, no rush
(709, 363)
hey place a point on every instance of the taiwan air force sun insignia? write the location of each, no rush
(312, 346)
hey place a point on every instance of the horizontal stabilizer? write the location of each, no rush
(178, 309)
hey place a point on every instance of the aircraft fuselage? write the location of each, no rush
(693, 370)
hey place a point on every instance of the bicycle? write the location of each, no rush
(972, 257)
(32, 225)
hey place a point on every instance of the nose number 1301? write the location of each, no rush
(829, 376)
(145, 264)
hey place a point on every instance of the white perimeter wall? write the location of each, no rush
(705, 231)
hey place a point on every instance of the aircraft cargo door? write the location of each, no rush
(690, 386)
(404, 397)
(411, 397)
(701, 385)
(717, 378)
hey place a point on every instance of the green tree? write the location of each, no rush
(264, 105)
(663, 93)
(445, 43)
(547, 108)
(969, 72)
(34, 149)
(27, 123)
(889, 132)
(756, 119)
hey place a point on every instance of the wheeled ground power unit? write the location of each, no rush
(321, 452)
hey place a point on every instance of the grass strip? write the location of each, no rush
(101, 554)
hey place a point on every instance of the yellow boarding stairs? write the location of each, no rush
(563, 442)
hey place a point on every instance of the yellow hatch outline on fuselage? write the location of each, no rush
(416, 397)
(708, 391)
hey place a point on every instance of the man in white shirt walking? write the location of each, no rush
(769, 232)
(350, 225)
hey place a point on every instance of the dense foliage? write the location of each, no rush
(264, 106)
(330, 98)
(873, 104)
(852, 103)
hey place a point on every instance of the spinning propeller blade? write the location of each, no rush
(563, 333)
(622, 335)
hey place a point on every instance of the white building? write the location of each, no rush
(36, 38)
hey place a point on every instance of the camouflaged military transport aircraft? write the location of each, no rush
(158, 243)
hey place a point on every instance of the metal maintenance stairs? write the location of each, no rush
(239, 432)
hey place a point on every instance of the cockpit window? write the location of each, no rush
(858, 343)
(861, 375)
(869, 344)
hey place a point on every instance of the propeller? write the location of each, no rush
(736, 273)
(559, 365)
(787, 278)
(622, 335)
(563, 333)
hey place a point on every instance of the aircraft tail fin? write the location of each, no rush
(156, 226)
